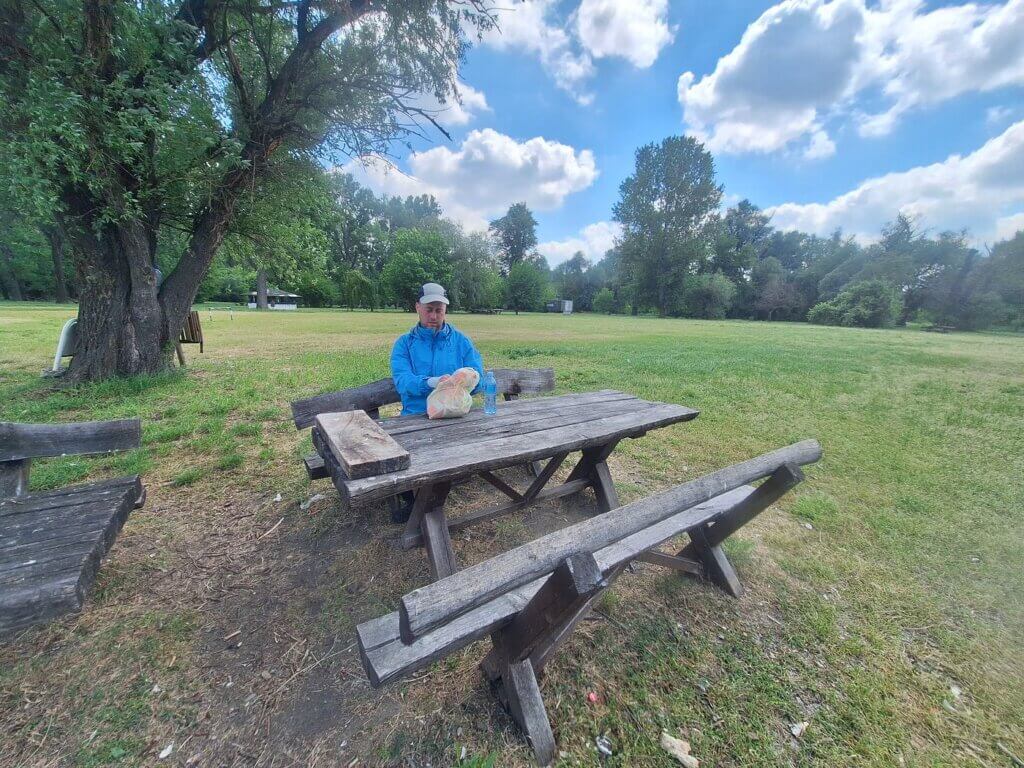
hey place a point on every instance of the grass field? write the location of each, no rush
(885, 603)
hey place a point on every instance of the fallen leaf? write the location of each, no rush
(797, 729)
(680, 750)
(166, 752)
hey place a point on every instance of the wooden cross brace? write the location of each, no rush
(704, 557)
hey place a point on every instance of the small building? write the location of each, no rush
(559, 305)
(277, 299)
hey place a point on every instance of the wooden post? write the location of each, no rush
(593, 464)
(572, 583)
(14, 477)
(706, 541)
(434, 528)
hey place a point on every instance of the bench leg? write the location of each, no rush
(706, 542)
(509, 665)
(14, 477)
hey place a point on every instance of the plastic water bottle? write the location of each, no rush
(490, 394)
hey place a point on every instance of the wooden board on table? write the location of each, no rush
(361, 448)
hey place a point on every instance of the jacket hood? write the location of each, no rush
(426, 334)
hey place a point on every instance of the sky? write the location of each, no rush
(827, 115)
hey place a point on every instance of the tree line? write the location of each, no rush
(322, 235)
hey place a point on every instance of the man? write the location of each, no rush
(432, 349)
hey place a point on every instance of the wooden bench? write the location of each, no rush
(529, 599)
(372, 397)
(51, 543)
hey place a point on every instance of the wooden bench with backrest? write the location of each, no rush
(51, 542)
(530, 598)
(372, 397)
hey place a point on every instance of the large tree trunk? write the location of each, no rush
(55, 236)
(261, 290)
(121, 325)
(10, 278)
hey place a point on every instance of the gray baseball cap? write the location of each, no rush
(432, 292)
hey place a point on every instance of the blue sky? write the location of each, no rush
(827, 114)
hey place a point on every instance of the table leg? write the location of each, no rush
(593, 465)
(434, 528)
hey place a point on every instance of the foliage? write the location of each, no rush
(417, 257)
(515, 234)
(708, 296)
(866, 304)
(604, 301)
(357, 290)
(525, 287)
(667, 209)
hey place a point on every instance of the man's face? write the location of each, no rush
(432, 314)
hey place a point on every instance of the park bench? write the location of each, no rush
(51, 543)
(530, 598)
(372, 397)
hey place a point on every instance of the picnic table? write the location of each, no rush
(447, 451)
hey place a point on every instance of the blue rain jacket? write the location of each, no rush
(422, 353)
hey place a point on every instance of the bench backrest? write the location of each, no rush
(20, 443)
(370, 397)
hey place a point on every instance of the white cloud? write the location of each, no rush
(977, 191)
(489, 172)
(804, 62)
(820, 146)
(635, 30)
(998, 115)
(527, 27)
(461, 111)
(1008, 226)
(594, 241)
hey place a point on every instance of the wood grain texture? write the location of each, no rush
(27, 441)
(14, 477)
(431, 464)
(360, 446)
(49, 555)
(386, 658)
(430, 606)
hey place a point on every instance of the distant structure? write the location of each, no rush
(559, 305)
(277, 299)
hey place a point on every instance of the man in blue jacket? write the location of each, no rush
(432, 349)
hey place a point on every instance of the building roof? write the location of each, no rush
(278, 293)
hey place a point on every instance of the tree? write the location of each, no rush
(357, 290)
(573, 281)
(708, 296)
(417, 257)
(667, 209)
(141, 119)
(514, 234)
(525, 287)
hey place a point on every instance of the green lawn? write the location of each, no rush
(886, 596)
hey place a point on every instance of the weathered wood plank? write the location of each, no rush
(81, 488)
(544, 477)
(58, 581)
(673, 562)
(383, 392)
(28, 441)
(434, 465)
(501, 485)
(36, 504)
(527, 708)
(574, 580)
(364, 398)
(14, 477)
(386, 658)
(434, 604)
(315, 467)
(361, 448)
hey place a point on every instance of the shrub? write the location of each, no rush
(708, 296)
(604, 301)
(865, 304)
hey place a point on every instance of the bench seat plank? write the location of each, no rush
(360, 446)
(386, 657)
(51, 545)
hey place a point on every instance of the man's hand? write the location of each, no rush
(433, 381)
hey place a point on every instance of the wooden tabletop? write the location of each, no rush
(521, 431)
